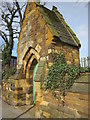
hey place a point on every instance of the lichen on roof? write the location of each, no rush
(58, 26)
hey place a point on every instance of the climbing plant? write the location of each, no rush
(60, 75)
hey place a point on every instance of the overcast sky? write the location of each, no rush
(76, 15)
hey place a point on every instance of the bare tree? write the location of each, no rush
(19, 11)
(10, 22)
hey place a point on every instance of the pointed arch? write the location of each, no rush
(28, 58)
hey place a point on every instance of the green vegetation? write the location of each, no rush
(62, 76)
(7, 72)
(84, 70)
(9, 31)
(6, 57)
(57, 28)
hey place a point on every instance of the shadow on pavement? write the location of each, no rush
(23, 113)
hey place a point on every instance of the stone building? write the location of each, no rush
(42, 28)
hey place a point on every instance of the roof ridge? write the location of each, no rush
(57, 12)
(56, 24)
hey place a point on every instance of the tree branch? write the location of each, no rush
(15, 21)
(19, 11)
(15, 29)
(15, 37)
(5, 18)
(13, 16)
(3, 25)
(16, 32)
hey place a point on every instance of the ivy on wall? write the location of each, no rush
(60, 75)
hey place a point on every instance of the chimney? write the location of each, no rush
(54, 9)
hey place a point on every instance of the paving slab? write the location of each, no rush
(17, 112)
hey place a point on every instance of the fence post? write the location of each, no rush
(81, 62)
(88, 58)
(84, 62)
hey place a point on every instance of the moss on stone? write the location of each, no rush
(58, 27)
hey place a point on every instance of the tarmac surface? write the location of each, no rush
(15, 112)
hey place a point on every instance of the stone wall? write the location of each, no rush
(14, 92)
(33, 34)
(76, 101)
(47, 104)
(19, 92)
(71, 53)
(36, 34)
(76, 106)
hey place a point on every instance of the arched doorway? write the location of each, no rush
(33, 69)
(30, 61)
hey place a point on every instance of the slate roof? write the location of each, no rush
(58, 26)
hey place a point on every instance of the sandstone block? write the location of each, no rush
(46, 114)
(44, 103)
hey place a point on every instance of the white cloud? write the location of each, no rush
(82, 31)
